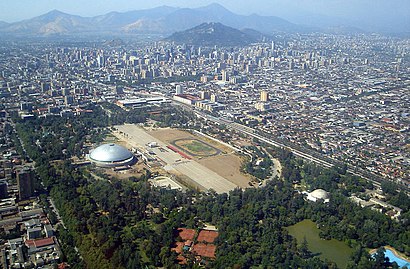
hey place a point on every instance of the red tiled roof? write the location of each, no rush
(204, 250)
(181, 259)
(63, 266)
(207, 236)
(178, 247)
(40, 242)
(186, 234)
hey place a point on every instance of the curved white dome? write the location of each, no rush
(320, 194)
(110, 153)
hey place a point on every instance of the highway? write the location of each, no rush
(367, 175)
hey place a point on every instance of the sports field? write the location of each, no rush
(175, 162)
(217, 157)
(196, 147)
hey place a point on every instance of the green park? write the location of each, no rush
(333, 250)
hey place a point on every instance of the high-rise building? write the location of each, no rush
(25, 183)
(68, 100)
(101, 61)
(179, 90)
(45, 86)
(291, 65)
(264, 96)
(214, 98)
(119, 90)
(204, 95)
(224, 75)
(3, 189)
(66, 91)
(25, 106)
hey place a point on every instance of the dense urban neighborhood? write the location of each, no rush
(140, 152)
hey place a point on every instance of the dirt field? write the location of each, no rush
(169, 135)
(227, 164)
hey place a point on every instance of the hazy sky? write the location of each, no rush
(379, 12)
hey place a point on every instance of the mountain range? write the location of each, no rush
(163, 20)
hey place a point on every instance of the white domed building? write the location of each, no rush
(318, 195)
(111, 155)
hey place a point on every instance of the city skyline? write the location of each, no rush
(122, 148)
(379, 14)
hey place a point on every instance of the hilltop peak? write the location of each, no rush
(212, 33)
(55, 12)
(215, 8)
(52, 15)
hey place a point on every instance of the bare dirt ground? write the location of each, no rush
(168, 134)
(277, 171)
(228, 164)
(229, 167)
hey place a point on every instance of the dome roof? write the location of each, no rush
(320, 194)
(110, 153)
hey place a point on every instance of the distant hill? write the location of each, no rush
(161, 20)
(53, 22)
(3, 24)
(129, 20)
(210, 34)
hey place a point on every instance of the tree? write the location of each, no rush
(389, 187)
(381, 261)
(304, 249)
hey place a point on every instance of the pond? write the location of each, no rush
(333, 250)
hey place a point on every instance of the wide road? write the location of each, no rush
(203, 176)
(367, 175)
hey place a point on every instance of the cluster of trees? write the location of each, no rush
(117, 115)
(362, 259)
(172, 117)
(395, 197)
(260, 166)
(57, 138)
(130, 224)
(342, 219)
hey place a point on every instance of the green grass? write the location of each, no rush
(333, 250)
(198, 147)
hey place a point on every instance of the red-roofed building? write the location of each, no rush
(186, 234)
(40, 242)
(181, 259)
(204, 250)
(202, 247)
(63, 266)
(178, 247)
(41, 111)
(207, 236)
